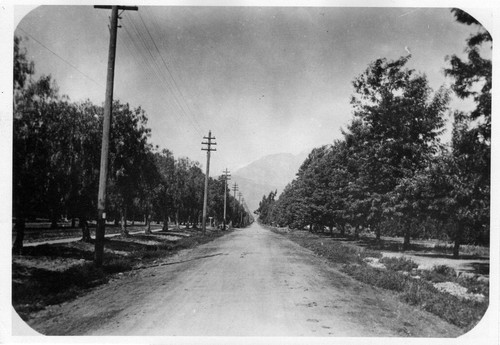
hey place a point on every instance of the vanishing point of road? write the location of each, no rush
(251, 282)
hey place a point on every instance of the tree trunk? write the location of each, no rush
(148, 228)
(196, 220)
(458, 239)
(407, 237)
(356, 232)
(124, 230)
(342, 230)
(165, 222)
(20, 226)
(377, 233)
(73, 222)
(85, 229)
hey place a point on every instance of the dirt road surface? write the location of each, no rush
(251, 282)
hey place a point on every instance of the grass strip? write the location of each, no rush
(34, 288)
(417, 292)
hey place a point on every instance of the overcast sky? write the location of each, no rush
(263, 79)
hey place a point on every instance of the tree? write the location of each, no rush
(150, 179)
(265, 207)
(37, 113)
(468, 197)
(461, 184)
(163, 200)
(290, 207)
(128, 152)
(215, 205)
(314, 178)
(396, 128)
(189, 188)
(84, 166)
(337, 169)
(56, 160)
(473, 78)
(23, 68)
(316, 197)
(54, 149)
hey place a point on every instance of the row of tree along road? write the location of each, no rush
(391, 173)
(56, 162)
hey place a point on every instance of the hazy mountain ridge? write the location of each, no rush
(252, 191)
(269, 173)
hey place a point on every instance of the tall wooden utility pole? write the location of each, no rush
(209, 148)
(235, 189)
(227, 177)
(108, 105)
(243, 202)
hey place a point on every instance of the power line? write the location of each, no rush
(160, 72)
(151, 67)
(127, 44)
(138, 55)
(60, 57)
(170, 73)
(151, 63)
(137, 44)
(155, 72)
(166, 50)
(81, 72)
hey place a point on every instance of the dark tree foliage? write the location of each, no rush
(266, 207)
(288, 210)
(396, 128)
(128, 153)
(236, 214)
(473, 78)
(469, 162)
(56, 162)
(163, 191)
(23, 68)
(391, 174)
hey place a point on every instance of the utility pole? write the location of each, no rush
(108, 105)
(235, 189)
(209, 148)
(241, 220)
(227, 177)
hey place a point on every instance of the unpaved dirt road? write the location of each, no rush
(251, 282)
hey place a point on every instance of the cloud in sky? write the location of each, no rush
(263, 79)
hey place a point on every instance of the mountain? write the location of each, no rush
(269, 173)
(251, 190)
